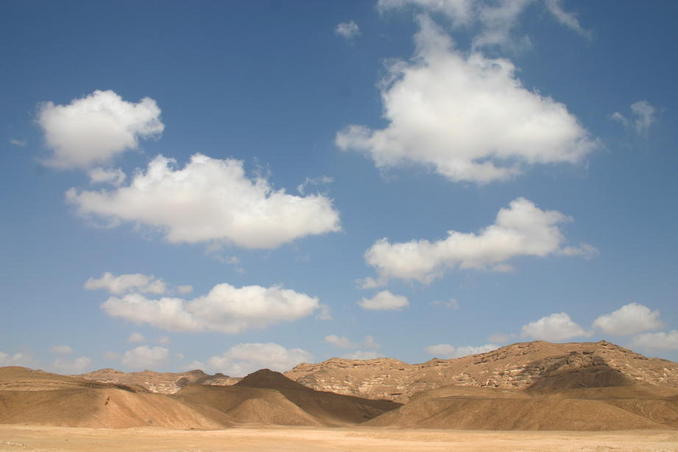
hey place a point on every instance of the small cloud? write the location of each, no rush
(566, 18)
(16, 359)
(630, 319)
(112, 176)
(657, 341)
(19, 143)
(347, 30)
(242, 359)
(643, 115)
(164, 340)
(313, 181)
(384, 301)
(121, 284)
(450, 304)
(136, 338)
(339, 341)
(555, 327)
(324, 312)
(61, 349)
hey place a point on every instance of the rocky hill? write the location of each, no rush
(530, 365)
(159, 382)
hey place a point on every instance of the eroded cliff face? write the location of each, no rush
(530, 365)
(159, 382)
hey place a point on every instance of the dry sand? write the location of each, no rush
(21, 438)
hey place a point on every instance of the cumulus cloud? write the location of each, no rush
(632, 318)
(658, 341)
(347, 30)
(555, 327)
(451, 351)
(521, 229)
(94, 129)
(643, 116)
(145, 357)
(135, 282)
(72, 366)
(460, 12)
(225, 309)
(243, 359)
(210, 200)
(384, 301)
(465, 116)
(112, 176)
(61, 349)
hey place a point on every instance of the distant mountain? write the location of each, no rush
(530, 365)
(159, 382)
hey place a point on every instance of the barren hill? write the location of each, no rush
(159, 382)
(536, 365)
(269, 397)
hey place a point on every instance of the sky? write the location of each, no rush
(248, 184)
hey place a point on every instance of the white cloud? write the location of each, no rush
(451, 351)
(629, 319)
(135, 282)
(243, 359)
(112, 176)
(211, 200)
(450, 304)
(61, 349)
(72, 366)
(185, 289)
(347, 30)
(384, 301)
(343, 342)
(225, 308)
(16, 142)
(660, 341)
(313, 181)
(555, 327)
(566, 18)
(363, 354)
(16, 359)
(163, 340)
(145, 357)
(94, 129)
(136, 338)
(324, 312)
(521, 229)
(460, 12)
(644, 115)
(466, 116)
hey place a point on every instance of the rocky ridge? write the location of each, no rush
(522, 366)
(159, 382)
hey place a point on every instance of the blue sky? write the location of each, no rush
(398, 178)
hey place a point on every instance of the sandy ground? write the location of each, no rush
(38, 438)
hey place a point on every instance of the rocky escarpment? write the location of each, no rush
(531, 365)
(160, 382)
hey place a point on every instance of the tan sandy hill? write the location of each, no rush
(518, 366)
(268, 397)
(265, 398)
(159, 382)
(35, 397)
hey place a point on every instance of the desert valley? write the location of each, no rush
(593, 394)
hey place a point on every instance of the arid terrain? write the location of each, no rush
(530, 396)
